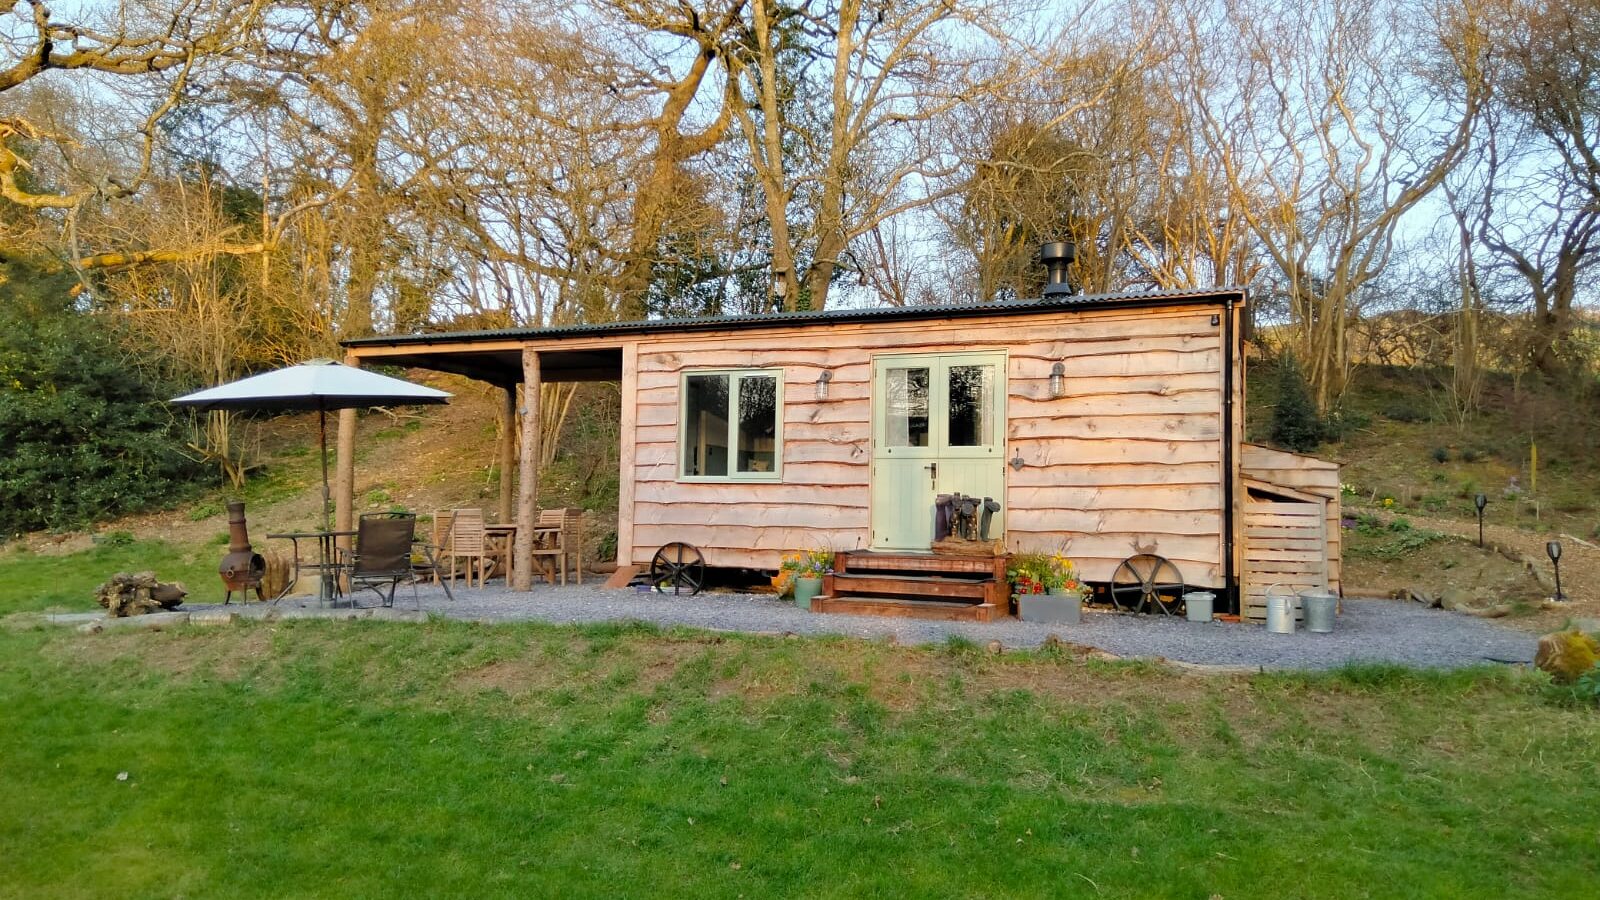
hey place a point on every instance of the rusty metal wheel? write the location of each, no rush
(680, 565)
(1147, 580)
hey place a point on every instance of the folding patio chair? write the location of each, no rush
(382, 555)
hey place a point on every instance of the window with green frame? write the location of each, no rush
(730, 424)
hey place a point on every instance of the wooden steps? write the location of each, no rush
(911, 609)
(917, 585)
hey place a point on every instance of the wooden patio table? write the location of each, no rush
(504, 537)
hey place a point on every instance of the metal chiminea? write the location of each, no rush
(242, 569)
(1057, 257)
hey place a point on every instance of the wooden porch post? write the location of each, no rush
(629, 436)
(508, 451)
(527, 473)
(344, 474)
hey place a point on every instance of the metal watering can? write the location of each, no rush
(1280, 611)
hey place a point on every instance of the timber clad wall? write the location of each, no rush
(1129, 461)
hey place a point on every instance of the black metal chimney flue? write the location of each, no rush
(1057, 257)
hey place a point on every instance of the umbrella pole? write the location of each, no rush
(322, 419)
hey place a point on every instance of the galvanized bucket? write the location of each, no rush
(1280, 611)
(1319, 606)
(1197, 605)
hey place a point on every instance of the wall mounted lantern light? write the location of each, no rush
(822, 384)
(1058, 381)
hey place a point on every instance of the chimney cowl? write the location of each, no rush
(1057, 257)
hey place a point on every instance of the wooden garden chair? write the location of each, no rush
(469, 542)
(439, 539)
(559, 535)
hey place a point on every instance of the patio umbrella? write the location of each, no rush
(320, 385)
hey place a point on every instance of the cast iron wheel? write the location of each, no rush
(680, 565)
(1145, 580)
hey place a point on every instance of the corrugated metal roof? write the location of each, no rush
(824, 317)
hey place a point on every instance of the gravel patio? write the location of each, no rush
(1367, 631)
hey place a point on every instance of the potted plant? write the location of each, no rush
(804, 571)
(1027, 573)
(1049, 589)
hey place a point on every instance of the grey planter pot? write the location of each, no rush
(1051, 609)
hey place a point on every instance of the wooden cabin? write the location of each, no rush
(1105, 426)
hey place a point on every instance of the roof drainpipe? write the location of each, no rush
(1229, 481)
(1057, 257)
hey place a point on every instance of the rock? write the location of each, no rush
(73, 618)
(1567, 654)
(214, 617)
(1423, 597)
(1457, 599)
(390, 614)
(996, 648)
(1589, 626)
(338, 614)
(146, 622)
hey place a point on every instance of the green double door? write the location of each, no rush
(938, 427)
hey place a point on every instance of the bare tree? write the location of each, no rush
(1328, 128)
(1537, 207)
(885, 73)
(149, 50)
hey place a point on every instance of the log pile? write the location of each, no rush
(138, 594)
(277, 576)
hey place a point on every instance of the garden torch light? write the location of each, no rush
(1553, 548)
(1480, 502)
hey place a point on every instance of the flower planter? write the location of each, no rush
(1058, 607)
(804, 590)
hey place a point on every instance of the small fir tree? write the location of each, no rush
(1295, 423)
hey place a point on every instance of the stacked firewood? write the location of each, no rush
(138, 594)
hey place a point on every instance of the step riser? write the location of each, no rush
(859, 562)
(976, 612)
(847, 585)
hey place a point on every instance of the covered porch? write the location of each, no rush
(518, 370)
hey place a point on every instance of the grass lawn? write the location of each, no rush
(364, 759)
(36, 581)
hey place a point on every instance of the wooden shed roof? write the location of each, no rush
(1203, 296)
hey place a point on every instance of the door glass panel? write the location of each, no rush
(705, 426)
(758, 423)
(906, 405)
(970, 413)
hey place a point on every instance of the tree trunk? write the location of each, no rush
(527, 474)
(508, 451)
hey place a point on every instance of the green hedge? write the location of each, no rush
(83, 435)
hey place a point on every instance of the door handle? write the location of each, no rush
(933, 470)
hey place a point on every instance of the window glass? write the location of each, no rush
(758, 423)
(907, 422)
(970, 397)
(705, 425)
